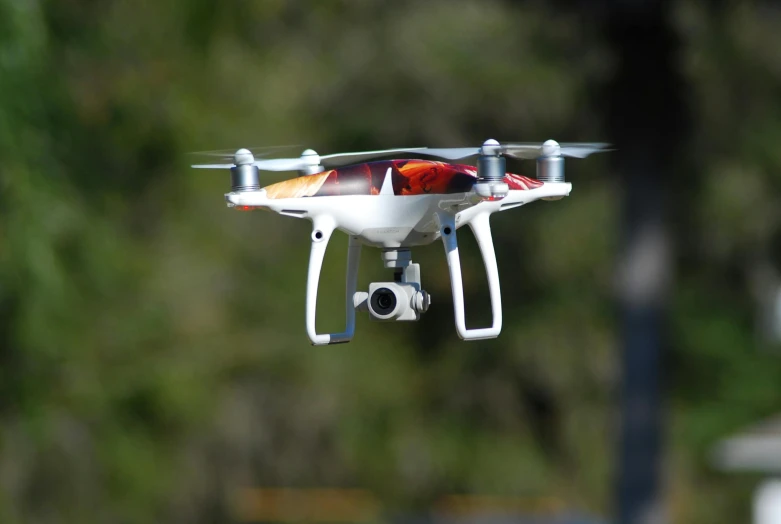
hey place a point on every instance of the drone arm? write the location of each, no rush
(482, 230)
(323, 227)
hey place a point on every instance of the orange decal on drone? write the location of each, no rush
(409, 177)
(302, 186)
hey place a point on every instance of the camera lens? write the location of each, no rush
(383, 301)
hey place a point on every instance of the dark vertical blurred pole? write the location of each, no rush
(645, 118)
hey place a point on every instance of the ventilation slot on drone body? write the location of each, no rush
(293, 212)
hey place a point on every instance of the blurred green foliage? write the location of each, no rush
(153, 359)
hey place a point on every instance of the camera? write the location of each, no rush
(393, 301)
(383, 302)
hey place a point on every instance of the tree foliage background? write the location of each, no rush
(153, 359)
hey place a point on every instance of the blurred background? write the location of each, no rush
(154, 365)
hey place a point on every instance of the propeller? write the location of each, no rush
(228, 154)
(553, 148)
(491, 163)
(308, 159)
(525, 150)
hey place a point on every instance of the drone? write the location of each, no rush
(395, 205)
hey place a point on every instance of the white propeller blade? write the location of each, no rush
(584, 150)
(255, 150)
(213, 166)
(451, 153)
(515, 150)
(520, 150)
(336, 158)
(552, 148)
(310, 158)
(282, 164)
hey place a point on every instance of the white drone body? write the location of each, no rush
(396, 205)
